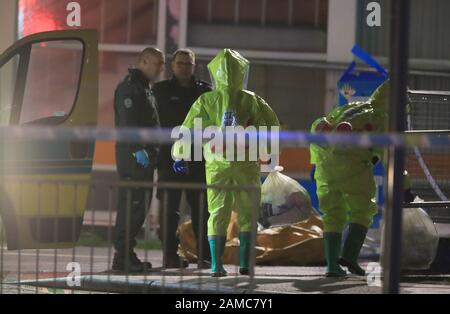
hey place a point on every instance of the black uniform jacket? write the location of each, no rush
(135, 106)
(174, 103)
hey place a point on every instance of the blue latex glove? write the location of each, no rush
(142, 158)
(180, 166)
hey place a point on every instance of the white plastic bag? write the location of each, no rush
(284, 200)
(419, 239)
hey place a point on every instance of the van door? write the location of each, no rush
(47, 79)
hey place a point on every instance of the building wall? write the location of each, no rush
(429, 29)
(272, 35)
(284, 40)
(429, 44)
(269, 27)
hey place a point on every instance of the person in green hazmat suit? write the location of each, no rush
(345, 183)
(229, 104)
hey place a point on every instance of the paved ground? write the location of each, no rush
(52, 268)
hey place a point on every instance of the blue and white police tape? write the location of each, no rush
(165, 136)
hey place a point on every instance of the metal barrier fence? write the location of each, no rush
(429, 167)
(60, 261)
(53, 210)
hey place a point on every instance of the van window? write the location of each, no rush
(52, 81)
(8, 75)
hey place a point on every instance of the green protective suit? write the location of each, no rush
(229, 101)
(345, 183)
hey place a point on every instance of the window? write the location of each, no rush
(117, 21)
(305, 13)
(130, 21)
(223, 11)
(265, 25)
(198, 11)
(310, 13)
(278, 12)
(52, 81)
(250, 11)
(8, 74)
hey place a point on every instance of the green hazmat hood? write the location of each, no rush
(229, 70)
(380, 98)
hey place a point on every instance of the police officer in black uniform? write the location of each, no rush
(135, 106)
(175, 97)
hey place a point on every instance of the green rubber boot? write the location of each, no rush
(244, 252)
(352, 246)
(217, 249)
(332, 245)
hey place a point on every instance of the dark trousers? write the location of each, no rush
(170, 211)
(132, 208)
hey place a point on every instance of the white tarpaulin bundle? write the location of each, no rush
(293, 235)
(298, 244)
